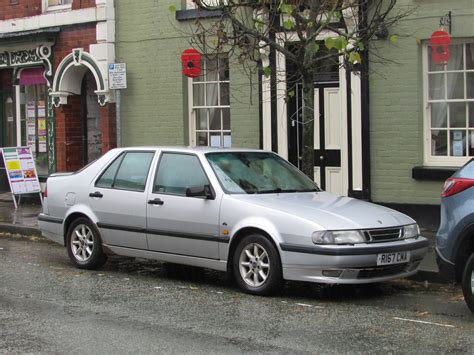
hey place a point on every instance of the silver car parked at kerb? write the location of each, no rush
(247, 212)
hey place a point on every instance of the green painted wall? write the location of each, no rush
(154, 106)
(396, 101)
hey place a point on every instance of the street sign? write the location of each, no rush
(117, 76)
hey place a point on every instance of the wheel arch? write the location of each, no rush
(464, 248)
(81, 211)
(244, 232)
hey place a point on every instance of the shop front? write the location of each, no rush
(26, 115)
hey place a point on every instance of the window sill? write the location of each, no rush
(431, 173)
(57, 8)
(193, 14)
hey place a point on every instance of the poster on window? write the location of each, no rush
(21, 170)
(41, 109)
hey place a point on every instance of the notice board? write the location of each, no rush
(20, 170)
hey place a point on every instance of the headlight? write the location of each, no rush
(411, 231)
(338, 237)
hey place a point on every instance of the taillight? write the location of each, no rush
(45, 193)
(453, 186)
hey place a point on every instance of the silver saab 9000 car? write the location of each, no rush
(248, 212)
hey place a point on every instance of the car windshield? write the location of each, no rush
(258, 173)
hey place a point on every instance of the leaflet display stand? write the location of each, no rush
(21, 172)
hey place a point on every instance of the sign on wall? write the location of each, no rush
(117, 76)
(21, 170)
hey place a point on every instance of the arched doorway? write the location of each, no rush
(84, 116)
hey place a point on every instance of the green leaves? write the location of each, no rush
(287, 8)
(288, 25)
(172, 8)
(394, 39)
(355, 58)
(267, 71)
(338, 43)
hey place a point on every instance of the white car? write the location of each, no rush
(247, 212)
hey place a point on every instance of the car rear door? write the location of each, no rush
(178, 224)
(118, 199)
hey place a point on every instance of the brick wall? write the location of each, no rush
(24, 8)
(69, 144)
(80, 36)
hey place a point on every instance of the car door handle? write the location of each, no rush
(156, 201)
(96, 194)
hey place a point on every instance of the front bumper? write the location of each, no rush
(355, 264)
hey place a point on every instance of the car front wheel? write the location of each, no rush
(257, 266)
(468, 283)
(84, 245)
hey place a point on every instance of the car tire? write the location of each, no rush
(257, 266)
(84, 245)
(468, 283)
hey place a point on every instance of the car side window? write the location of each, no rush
(177, 172)
(128, 172)
(107, 178)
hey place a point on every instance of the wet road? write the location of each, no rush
(47, 305)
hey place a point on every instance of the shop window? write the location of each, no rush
(54, 5)
(33, 123)
(449, 97)
(210, 104)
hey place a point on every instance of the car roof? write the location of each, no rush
(201, 150)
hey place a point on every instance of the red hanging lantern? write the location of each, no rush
(440, 41)
(191, 60)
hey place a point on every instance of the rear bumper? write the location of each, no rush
(51, 228)
(350, 264)
(447, 269)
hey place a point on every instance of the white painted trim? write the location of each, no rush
(356, 125)
(18, 115)
(191, 114)
(266, 113)
(282, 116)
(53, 19)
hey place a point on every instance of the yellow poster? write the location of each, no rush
(13, 165)
(41, 127)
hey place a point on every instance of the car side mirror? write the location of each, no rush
(200, 191)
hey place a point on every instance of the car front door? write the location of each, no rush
(176, 223)
(118, 199)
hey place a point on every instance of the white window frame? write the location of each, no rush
(430, 160)
(192, 110)
(47, 8)
(190, 4)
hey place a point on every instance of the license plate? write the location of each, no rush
(393, 258)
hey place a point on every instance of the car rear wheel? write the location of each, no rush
(468, 283)
(257, 266)
(84, 245)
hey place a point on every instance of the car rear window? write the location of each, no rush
(466, 172)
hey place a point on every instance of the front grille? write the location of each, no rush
(382, 235)
(382, 271)
(389, 270)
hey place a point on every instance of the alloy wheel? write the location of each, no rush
(82, 242)
(254, 264)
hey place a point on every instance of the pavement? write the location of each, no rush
(24, 221)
